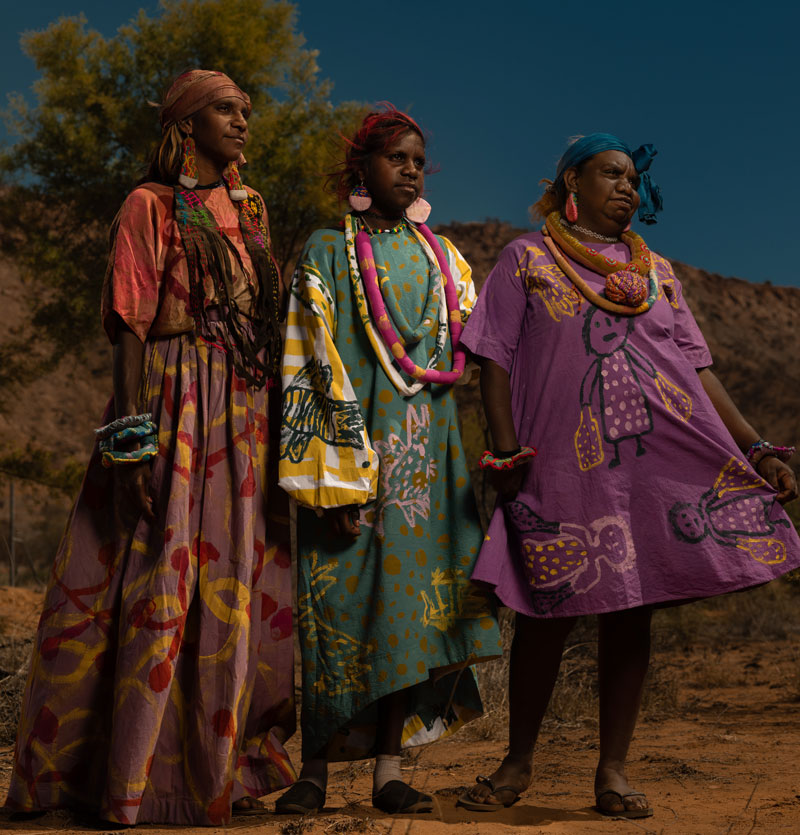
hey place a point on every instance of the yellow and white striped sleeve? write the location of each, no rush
(462, 275)
(326, 459)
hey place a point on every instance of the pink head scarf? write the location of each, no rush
(193, 90)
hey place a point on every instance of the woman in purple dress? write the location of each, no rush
(649, 486)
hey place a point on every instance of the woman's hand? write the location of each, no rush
(344, 521)
(781, 476)
(132, 499)
(508, 482)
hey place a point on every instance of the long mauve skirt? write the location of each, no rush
(161, 683)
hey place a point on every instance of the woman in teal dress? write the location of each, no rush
(388, 530)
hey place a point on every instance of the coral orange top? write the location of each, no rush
(147, 281)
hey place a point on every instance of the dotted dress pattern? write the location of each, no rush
(394, 609)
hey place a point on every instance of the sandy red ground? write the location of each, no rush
(728, 764)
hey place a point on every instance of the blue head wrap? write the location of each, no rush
(651, 201)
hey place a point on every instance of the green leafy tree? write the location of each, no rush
(85, 142)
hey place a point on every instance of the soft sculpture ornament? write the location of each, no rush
(626, 287)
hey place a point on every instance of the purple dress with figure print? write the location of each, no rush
(639, 494)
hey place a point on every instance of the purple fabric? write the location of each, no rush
(639, 494)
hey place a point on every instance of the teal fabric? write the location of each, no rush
(391, 609)
(651, 201)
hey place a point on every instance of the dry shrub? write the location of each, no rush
(574, 699)
(493, 683)
(574, 695)
(14, 656)
(766, 613)
(660, 698)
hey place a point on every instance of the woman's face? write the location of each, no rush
(606, 188)
(219, 130)
(395, 177)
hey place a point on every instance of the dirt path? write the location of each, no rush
(728, 764)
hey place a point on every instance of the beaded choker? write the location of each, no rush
(395, 229)
(605, 238)
(366, 263)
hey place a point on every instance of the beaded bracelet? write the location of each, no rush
(121, 423)
(761, 449)
(123, 430)
(490, 461)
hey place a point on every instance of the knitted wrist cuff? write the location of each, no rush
(490, 461)
(124, 431)
(764, 449)
(121, 423)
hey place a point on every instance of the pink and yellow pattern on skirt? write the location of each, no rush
(161, 683)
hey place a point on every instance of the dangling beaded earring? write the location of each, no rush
(233, 180)
(359, 198)
(419, 210)
(188, 175)
(572, 207)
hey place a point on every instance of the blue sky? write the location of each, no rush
(501, 86)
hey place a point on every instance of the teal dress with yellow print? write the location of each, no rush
(393, 609)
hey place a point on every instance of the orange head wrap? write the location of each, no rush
(193, 90)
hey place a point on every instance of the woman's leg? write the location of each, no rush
(388, 739)
(308, 793)
(391, 717)
(535, 659)
(624, 657)
(316, 770)
(390, 792)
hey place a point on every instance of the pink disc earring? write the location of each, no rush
(419, 210)
(359, 198)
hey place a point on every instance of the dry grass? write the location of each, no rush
(340, 826)
(295, 827)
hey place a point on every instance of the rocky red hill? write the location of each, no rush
(752, 330)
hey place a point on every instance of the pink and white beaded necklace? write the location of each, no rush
(381, 319)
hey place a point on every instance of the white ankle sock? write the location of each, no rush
(387, 768)
(316, 772)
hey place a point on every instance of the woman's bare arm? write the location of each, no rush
(772, 469)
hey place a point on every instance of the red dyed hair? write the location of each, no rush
(379, 130)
